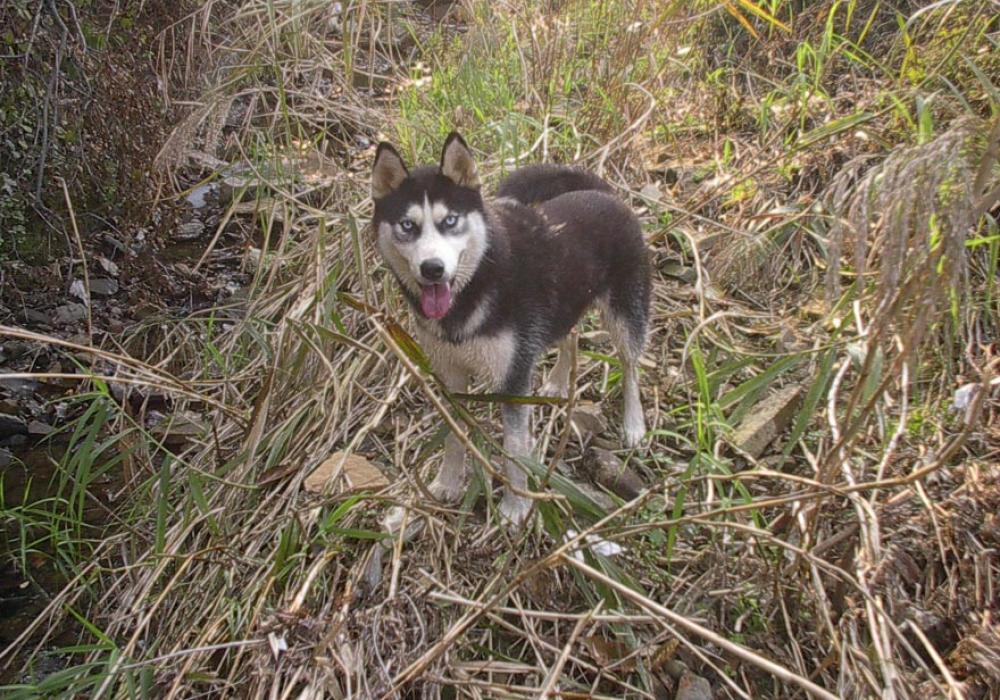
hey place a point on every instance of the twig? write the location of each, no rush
(733, 648)
(83, 263)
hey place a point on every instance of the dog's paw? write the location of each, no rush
(395, 519)
(446, 490)
(514, 509)
(635, 431)
(554, 389)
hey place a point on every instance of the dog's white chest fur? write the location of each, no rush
(485, 357)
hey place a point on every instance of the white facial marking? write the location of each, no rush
(439, 210)
(460, 249)
(415, 214)
(431, 243)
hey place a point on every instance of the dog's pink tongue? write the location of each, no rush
(435, 300)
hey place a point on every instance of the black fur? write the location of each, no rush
(546, 264)
(534, 184)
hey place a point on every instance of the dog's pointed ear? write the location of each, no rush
(388, 172)
(457, 162)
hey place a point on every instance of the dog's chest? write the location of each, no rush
(486, 357)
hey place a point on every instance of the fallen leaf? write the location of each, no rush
(179, 428)
(597, 544)
(607, 653)
(78, 290)
(588, 418)
(664, 654)
(110, 267)
(357, 472)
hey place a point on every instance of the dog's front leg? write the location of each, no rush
(517, 443)
(449, 484)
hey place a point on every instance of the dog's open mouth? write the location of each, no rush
(435, 299)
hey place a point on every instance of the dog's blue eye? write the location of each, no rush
(407, 225)
(450, 220)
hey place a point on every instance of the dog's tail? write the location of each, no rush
(534, 184)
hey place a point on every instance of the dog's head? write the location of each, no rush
(430, 222)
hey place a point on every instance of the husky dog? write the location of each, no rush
(494, 284)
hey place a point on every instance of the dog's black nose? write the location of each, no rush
(432, 270)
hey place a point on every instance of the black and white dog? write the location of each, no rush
(496, 283)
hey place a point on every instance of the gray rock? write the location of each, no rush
(680, 272)
(103, 286)
(610, 472)
(5, 458)
(70, 313)
(766, 420)
(38, 428)
(115, 244)
(12, 425)
(36, 317)
(16, 348)
(692, 687)
(189, 231)
(18, 387)
(652, 193)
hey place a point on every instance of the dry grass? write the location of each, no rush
(857, 559)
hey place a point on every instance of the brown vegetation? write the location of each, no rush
(819, 184)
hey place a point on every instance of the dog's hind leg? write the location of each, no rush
(557, 383)
(626, 319)
(449, 484)
(635, 422)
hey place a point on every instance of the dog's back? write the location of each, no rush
(534, 184)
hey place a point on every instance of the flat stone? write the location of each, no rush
(38, 428)
(70, 313)
(610, 472)
(651, 192)
(37, 318)
(693, 687)
(103, 286)
(766, 420)
(19, 387)
(189, 231)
